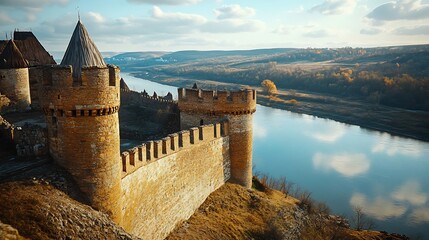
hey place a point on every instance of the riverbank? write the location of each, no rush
(396, 121)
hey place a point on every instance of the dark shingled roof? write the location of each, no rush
(3, 44)
(11, 57)
(32, 49)
(81, 51)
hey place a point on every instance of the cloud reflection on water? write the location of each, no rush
(259, 131)
(379, 208)
(329, 135)
(410, 192)
(392, 146)
(419, 215)
(347, 164)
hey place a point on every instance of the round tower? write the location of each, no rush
(198, 107)
(14, 78)
(80, 99)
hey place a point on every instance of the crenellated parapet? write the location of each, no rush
(217, 102)
(131, 95)
(95, 93)
(152, 151)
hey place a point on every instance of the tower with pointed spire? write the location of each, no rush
(80, 99)
(14, 77)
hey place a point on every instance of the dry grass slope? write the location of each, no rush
(233, 212)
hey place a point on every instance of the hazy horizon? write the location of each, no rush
(176, 25)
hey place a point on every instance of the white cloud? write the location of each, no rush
(282, 29)
(97, 17)
(297, 10)
(415, 30)
(379, 208)
(329, 135)
(347, 164)
(30, 8)
(400, 10)
(165, 2)
(177, 17)
(5, 19)
(370, 31)
(410, 192)
(419, 215)
(321, 33)
(234, 11)
(233, 26)
(392, 146)
(31, 4)
(335, 7)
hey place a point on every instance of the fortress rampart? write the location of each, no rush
(132, 97)
(83, 129)
(165, 181)
(151, 151)
(199, 107)
(217, 102)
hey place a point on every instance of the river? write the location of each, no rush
(341, 165)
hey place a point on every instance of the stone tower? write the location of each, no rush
(14, 79)
(198, 107)
(80, 99)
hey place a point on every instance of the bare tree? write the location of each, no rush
(360, 220)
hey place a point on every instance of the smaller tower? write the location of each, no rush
(198, 107)
(14, 80)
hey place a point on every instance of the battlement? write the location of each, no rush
(217, 102)
(61, 76)
(151, 151)
(140, 96)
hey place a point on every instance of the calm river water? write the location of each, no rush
(341, 165)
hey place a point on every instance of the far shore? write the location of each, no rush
(395, 121)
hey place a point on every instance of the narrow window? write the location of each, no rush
(112, 77)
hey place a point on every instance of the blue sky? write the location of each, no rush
(170, 25)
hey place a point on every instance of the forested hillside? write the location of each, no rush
(391, 76)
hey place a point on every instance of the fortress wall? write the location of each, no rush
(173, 179)
(34, 76)
(31, 140)
(129, 97)
(188, 120)
(215, 102)
(14, 83)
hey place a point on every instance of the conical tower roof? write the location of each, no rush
(11, 57)
(81, 51)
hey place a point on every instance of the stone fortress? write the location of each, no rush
(149, 188)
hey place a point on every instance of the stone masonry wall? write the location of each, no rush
(165, 181)
(202, 107)
(14, 83)
(31, 140)
(83, 127)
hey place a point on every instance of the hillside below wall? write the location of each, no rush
(158, 196)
